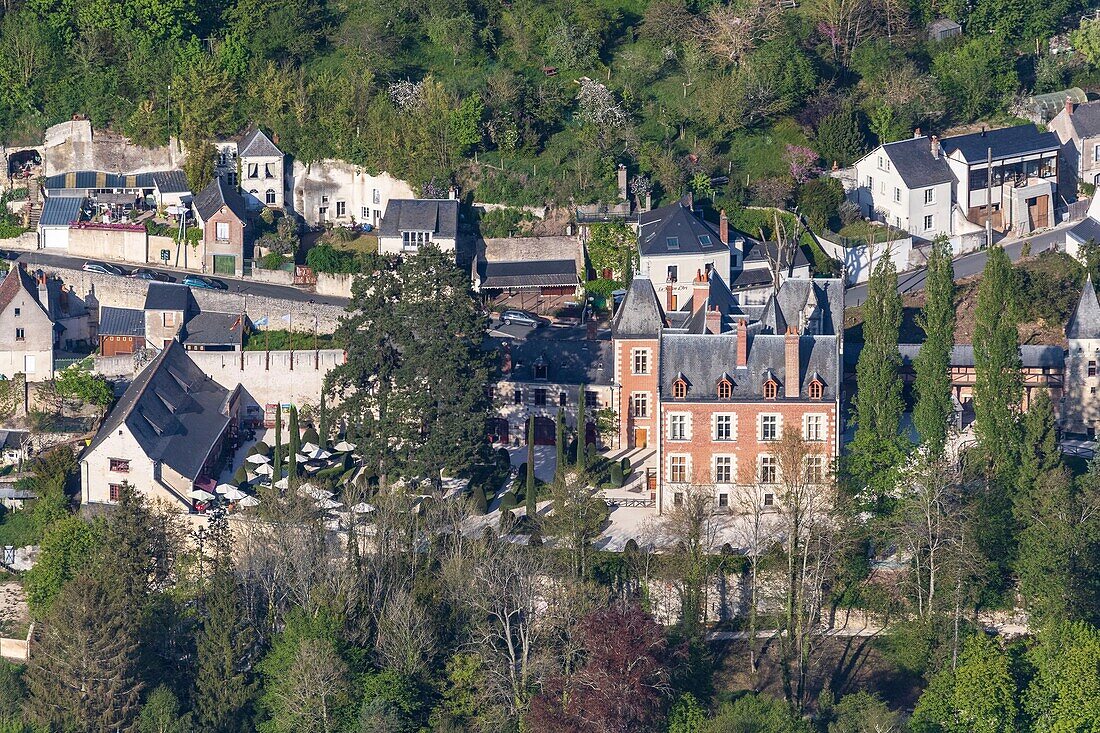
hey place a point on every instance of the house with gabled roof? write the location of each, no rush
(1078, 129)
(28, 331)
(1080, 412)
(226, 225)
(253, 164)
(168, 435)
(410, 223)
(710, 388)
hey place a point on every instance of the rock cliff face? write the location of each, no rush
(74, 146)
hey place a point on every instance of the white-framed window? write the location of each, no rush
(815, 469)
(365, 211)
(813, 427)
(269, 171)
(928, 222)
(882, 186)
(897, 194)
(269, 197)
(769, 427)
(639, 404)
(929, 196)
(769, 499)
(723, 500)
(341, 208)
(253, 170)
(1096, 153)
(870, 184)
(880, 165)
(725, 426)
(678, 426)
(723, 469)
(768, 472)
(410, 241)
(639, 361)
(677, 469)
(221, 231)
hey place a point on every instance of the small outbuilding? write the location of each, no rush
(941, 29)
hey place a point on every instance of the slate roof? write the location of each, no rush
(18, 279)
(639, 314)
(759, 252)
(174, 412)
(13, 438)
(216, 195)
(171, 182)
(99, 179)
(168, 297)
(213, 329)
(703, 359)
(676, 229)
(1006, 142)
(1085, 322)
(1086, 119)
(439, 216)
(913, 161)
(943, 24)
(1086, 229)
(60, 211)
(570, 358)
(786, 306)
(528, 274)
(754, 278)
(256, 144)
(121, 322)
(1032, 356)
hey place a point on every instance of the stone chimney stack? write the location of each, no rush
(669, 297)
(506, 358)
(935, 147)
(724, 227)
(714, 321)
(1069, 106)
(689, 201)
(793, 380)
(916, 133)
(700, 291)
(742, 343)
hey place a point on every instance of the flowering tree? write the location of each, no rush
(802, 162)
(407, 95)
(599, 106)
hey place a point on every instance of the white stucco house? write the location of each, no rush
(333, 191)
(252, 162)
(410, 223)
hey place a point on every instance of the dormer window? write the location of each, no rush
(679, 389)
(771, 389)
(704, 240)
(673, 242)
(725, 389)
(816, 390)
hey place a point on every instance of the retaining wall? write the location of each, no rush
(338, 286)
(859, 261)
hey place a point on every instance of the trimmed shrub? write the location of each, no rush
(262, 448)
(503, 457)
(616, 475)
(310, 436)
(627, 469)
(508, 501)
(481, 504)
(240, 477)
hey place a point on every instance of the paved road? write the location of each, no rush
(966, 265)
(244, 287)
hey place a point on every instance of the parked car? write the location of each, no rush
(152, 275)
(522, 318)
(204, 283)
(103, 268)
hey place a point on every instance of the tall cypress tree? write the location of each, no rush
(580, 463)
(998, 381)
(277, 460)
(877, 449)
(559, 443)
(933, 406)
(532, 506)
(225, 645)
(295, 443)
(322, 423)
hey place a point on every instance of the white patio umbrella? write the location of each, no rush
(362, 508)
(249, 501)
(235, 495)
(257, 459)
(319, 455)
(309, 447)
(283, 483)
(265, 470)
(223, 488)
(314, 493)
(302, 457)
(200, 495)
(328, 504)
(344, 446)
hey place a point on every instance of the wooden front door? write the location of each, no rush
(641, 437)
(1037, 210)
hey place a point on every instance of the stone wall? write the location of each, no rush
(123, 292)
(334, 285)
(126, 242)
(859, 261)
(74, 146)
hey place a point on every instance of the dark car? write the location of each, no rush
(522, 318)
(103, 268)
(204, 283)
(152, 275)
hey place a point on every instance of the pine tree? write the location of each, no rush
(83, 672)
(580, 463)
(225, 645)
(559, 445)
(933, 406)
(277, 459)
(877, 449)
(530, 496)
(998, 382)
(1039, 452)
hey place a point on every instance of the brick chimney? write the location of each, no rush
(506, 358)
(793, 378)
(700, 290)
(742, 343)
(1069, 106)
(916, 132)
(714, 321)
(935, 147)
(669, 297)
(689, 201)
(724, 227)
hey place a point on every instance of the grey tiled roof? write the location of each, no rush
(171, 182)
(824, 296)
(1086, 229)
(569, 359)
(913, 161)
(216, 195)
(255, 144)
(439, 216)
(1086, 119)
(60, 210)
(168, 297)
(1005, 142)
(174, 412)
(528, 274)
(213, 329)
(121, 321)
(1032, 356)
(98, 179)
(678, 223)
(639, 314)
(1085, 322)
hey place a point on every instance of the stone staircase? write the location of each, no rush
(31, 214)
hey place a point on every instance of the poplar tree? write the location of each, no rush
(933, 407)
(580, 463)
(1039, 452)
(532, 506)
(998, 382)
(877, 449)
